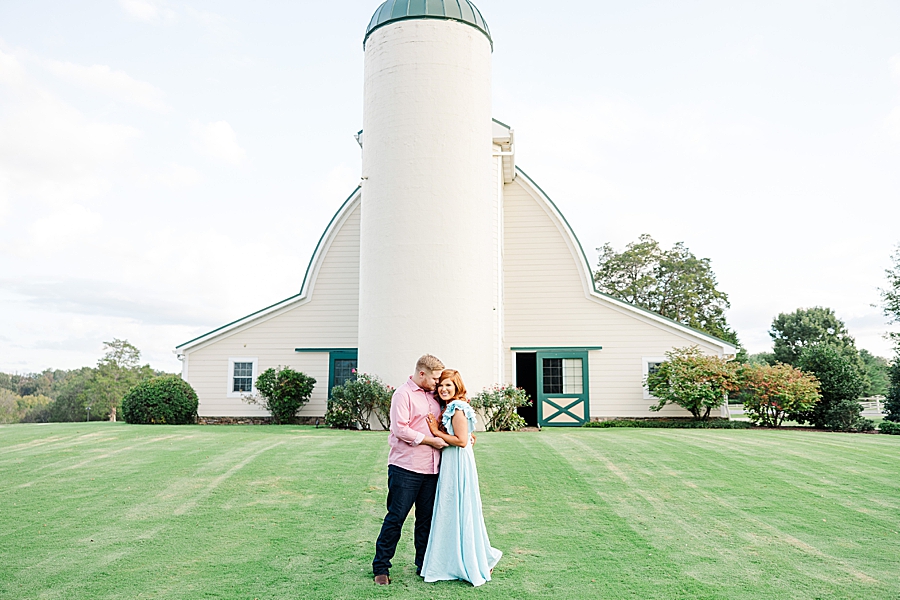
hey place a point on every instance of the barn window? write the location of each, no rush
(563, 376)
(651, 365)
(242, 373)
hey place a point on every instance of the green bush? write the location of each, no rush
(165, 400)
(842, 382)
(282, 392)
(693, 380)
(352, 404)
(499, 404)
(889, 427)
(670, 424)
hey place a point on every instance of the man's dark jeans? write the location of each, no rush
(405, 488)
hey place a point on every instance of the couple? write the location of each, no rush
(423, 445)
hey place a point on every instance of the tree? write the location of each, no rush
(890, 296)
(692, 380)
(877, 375)
(770, 392)
(805, 327)
(761, 358)
(842, 383)
(892, 403)
(282, 392)
(673, 283)
(70, 397)
(117, 372)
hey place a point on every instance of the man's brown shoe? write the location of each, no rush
(382, 580)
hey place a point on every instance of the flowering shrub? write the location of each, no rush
(498, 404)
(692, 380)
(352, 404)
(770, 392)
(282, 392)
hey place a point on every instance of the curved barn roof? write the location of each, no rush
(462, 11)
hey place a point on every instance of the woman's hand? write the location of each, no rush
(432, 424)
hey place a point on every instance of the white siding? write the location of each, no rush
(548, 304)
(327, 318)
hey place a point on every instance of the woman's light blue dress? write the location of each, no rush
(458, 546)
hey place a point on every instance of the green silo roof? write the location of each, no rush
(452, 10)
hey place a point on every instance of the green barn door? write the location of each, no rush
(563, 388)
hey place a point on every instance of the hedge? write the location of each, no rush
(165, 400)
(671, 424)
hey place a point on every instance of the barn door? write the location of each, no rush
(563, 388)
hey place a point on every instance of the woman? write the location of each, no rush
(458, 546)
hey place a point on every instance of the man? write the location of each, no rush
(413, 463)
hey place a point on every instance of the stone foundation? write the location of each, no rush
(255, 421)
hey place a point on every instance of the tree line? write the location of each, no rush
(676, 284)
(88, 393)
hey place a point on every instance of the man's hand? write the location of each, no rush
(435, 442)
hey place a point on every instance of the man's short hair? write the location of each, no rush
(429, 363)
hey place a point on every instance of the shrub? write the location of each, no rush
(841, 382)
(282, 392)
(692, 380)
(892, 401)
(352, 404)
(889, 427)
(670, 424)
(168, 400)
(499, 404)
(770, 392)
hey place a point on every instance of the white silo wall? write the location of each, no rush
(428, 252)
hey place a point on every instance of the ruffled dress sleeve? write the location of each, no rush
(451, 409)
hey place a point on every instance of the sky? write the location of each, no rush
(167, 167)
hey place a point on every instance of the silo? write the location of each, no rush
(428, 239)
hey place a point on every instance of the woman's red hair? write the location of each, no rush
(454, 376)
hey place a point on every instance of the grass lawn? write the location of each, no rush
(116, 511)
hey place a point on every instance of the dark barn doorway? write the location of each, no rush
(526, 378)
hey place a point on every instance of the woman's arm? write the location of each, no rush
(459, 424)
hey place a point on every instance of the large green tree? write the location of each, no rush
(877, 375)
(892, 403)
(890, 296)
(806, 327)
(673, 283)
(117, 372)
(70, 398)
(842, 383)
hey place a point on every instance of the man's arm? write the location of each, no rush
(401, 407)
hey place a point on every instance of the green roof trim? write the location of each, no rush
(302, 287)
(323, 350)
(461, 11)
(591, 271)
(556, 348)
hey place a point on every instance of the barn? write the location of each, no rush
(447, 247)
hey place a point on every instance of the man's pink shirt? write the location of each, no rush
(409, 406)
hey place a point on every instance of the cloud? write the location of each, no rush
(116, 84)
(219, 141)
(50, 150)
(180, 176)
(216, 26)
(893, 123)
(107, 299)
(61, 228)
(895, 66)
(150, 11)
